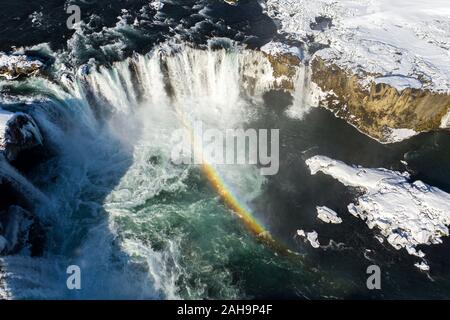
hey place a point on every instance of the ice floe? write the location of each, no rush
(422, 266)
(327, 215)
(406, 213)
(311, 237)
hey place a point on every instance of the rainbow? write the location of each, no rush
(232, 202)
(226, 194)
(241, 210)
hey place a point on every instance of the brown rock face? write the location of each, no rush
(22, 133)
(381, 107)
(284, 68)
(16, 66)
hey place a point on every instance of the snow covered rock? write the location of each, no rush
(311, 237)
(395, 40)
(20, 133)
(327, 215)
(278, 48)
(407, 213)
(14, 66)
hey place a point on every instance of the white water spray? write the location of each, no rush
(110, 169)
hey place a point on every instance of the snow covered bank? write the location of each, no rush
(384, 66)
(403, 43)
(407, 213)
(278, 48)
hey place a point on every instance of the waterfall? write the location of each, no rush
(111, 129)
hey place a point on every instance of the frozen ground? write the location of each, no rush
(404, 43)
(406, 213)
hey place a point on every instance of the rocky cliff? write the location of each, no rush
(379, 109)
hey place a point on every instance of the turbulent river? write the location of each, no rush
(140, 226)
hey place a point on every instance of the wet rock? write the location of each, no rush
(21, 133)
(321, 23)
(285, 60)
(15, 66)
(379, 109)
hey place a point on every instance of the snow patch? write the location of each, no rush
(278, 48)
(399, 82)
(311, 237)
(445, 122)
(327, 215)
(397, 135)
(407, 213)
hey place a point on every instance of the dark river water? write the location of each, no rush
(141, 228)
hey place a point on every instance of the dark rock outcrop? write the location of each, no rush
(20, 229)
(21, 133)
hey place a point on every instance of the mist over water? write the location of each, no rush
(141, 227)
(118, 207)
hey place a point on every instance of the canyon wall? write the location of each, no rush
(377, 109)
(380, 108)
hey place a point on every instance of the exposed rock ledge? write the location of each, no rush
(17, 65)
(380, 110)
(19, 228)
